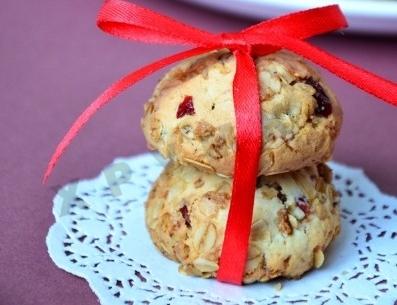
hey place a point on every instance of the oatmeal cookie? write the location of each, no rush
(190, 117)
(296, 216)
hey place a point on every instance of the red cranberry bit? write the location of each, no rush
(280, 194)
(186, 107)
(302, 203)
(185, 214)
(324, 106)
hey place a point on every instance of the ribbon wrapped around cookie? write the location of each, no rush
(129, 21)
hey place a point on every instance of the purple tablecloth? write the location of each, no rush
(54, 61)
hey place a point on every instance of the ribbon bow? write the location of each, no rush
(129, 21)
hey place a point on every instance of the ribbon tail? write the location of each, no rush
(107, 96)
(248, 147)
(365, 80)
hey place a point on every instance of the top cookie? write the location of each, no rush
(190, 117)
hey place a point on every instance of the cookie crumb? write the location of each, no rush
(278, 286)
(283, 222)
(293, 221)
(318, 258)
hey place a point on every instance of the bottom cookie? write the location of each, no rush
(296, 216)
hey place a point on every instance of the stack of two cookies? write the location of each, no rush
(190, 119)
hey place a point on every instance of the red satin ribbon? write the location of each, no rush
(130, 21)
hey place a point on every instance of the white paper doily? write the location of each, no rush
(100, 235)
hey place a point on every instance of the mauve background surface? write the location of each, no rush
(54, 61)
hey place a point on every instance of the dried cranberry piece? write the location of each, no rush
(185, 214)
(324, 106)
(261, 181)
(282, 197)
(302, 203)
(280, 194)
(186, 107)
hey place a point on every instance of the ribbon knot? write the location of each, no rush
(130, 21)
(235, 41)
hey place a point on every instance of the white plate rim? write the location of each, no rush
(373, 17)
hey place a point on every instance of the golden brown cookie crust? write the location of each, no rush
(295, 134)
(296, 216)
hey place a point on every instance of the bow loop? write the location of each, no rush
(130, 21)
(303, 24)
